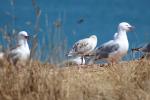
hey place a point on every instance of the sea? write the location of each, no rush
(58, 24)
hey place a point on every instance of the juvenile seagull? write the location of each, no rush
(113, 50)
(83, 47)
(145, 49)
(22, 51)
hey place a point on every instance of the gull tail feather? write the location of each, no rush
(135, 49)
(69, 54)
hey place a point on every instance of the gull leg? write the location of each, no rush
(82, 60)
(112, 62)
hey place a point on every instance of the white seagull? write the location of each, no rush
(113, 50)
(83, 47)
(22, 51)
(1, 55)
(145, 49)
(77, 60)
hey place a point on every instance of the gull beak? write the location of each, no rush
(131, 28)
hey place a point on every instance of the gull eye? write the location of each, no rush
(26, 37)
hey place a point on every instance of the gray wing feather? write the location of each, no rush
(13, 54)
(105, 50)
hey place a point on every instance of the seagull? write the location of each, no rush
(145, 49)
(113, 50)
(77, 60)
(83, 47)
(21, 52)
(1, 55)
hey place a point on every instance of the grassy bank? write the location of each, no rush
(126, 81)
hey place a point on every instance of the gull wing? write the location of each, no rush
(81, 47)
(106, 49)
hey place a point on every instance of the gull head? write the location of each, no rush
(124, 26)
(23, 35)
(93, 37)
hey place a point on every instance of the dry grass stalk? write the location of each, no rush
(125, 81)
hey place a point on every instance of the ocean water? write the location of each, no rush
(76, 19)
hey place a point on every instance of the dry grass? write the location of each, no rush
(126, 81)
